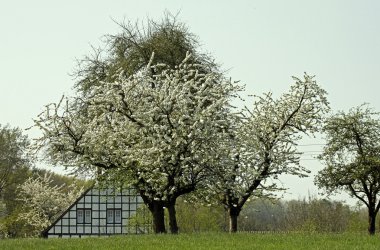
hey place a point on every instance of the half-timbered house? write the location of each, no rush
(98, 212)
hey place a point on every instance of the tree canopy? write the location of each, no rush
(129, 51)
(157, 131)
(148, 119)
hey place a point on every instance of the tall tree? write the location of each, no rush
(352, 158)
(129, 51)
(124, 56)
(264, 144)
(14, 163)
(156, 131)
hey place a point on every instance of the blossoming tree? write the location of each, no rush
(157, 132)
(263, 145)
(352, 158)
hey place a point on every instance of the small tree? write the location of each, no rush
(44, 202)
(263, 145)
(352, 158)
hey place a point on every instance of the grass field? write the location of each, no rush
(205, 241)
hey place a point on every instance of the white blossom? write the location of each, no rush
(261, 144)
(155, 131)
(43, 202)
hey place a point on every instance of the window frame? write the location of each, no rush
(86, 219)
(117, 219)
(111, 216)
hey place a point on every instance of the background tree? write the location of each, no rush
(14, 169)
(352, 158)
(264, 145)
(358, 221)
(261, 214)
(303, 215)
(14, 163)
(317, 215)
(195, 217)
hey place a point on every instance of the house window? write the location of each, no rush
(113, 216)
(110, 216)
(117, 215)
(83, 216)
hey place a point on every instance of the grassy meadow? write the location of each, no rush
(205, 241)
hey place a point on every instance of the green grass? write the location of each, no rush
(205, 241)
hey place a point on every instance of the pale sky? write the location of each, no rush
(262, 43)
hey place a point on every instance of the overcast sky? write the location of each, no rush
(262, 43)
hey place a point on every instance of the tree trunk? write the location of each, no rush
(233, 223)
(172, 219)
(157, 210)
(371, 222)
(233, 213)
